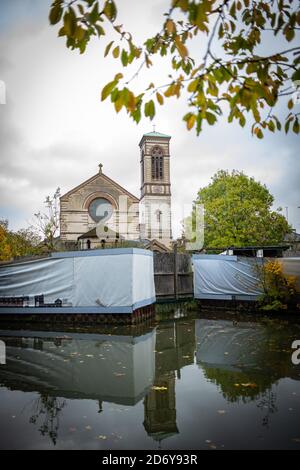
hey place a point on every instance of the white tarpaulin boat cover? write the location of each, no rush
(226, 277)
(102, 376)
(95, 281)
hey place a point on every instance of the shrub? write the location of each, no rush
(279, 288)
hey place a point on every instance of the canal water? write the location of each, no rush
(184, 382)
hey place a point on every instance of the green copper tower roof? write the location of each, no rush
(156, 134)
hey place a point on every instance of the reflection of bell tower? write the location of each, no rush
(175, 347)
(156, 187)
(160, 409)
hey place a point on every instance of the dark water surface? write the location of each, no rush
(201, 382)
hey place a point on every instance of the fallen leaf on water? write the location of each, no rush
(237, 385)
(88, 427)
(117, 374)
(250, 385)
(101, 437)
(160, 389)
(89, 355)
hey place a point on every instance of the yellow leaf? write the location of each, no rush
(118, 105)
(116, 52)
(131, 102)
(191, 121)
(160, 98)
(170, 26)
(181, 47)
(193, 86)
(160, 389)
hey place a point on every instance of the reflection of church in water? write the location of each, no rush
(143, 365)
(100, 212)
(121, 369)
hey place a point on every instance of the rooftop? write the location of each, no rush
(156, 134)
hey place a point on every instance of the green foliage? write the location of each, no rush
(232, 78)
(238, 212)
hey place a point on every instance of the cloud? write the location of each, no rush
(54, 130)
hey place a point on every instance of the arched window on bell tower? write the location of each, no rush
(155, 187)
(157, 164)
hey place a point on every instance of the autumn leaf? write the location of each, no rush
(116, 52)
(181, 47)
(170, 26)
(160, 98)
(191, 121)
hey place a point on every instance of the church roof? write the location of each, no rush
(114, 183)
(93, 234)
(156, 134)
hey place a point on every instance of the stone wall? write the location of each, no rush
(75, 219)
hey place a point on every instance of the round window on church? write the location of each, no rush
(100, 209)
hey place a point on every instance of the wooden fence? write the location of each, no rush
(173, 276)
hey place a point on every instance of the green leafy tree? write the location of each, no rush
(232, 76)
(238, 212)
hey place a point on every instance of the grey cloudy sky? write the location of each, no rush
(54, 130)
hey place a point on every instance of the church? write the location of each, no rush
(99, 212)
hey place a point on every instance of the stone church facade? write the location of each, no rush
(100, 212)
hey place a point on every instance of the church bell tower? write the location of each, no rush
(155, 187)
